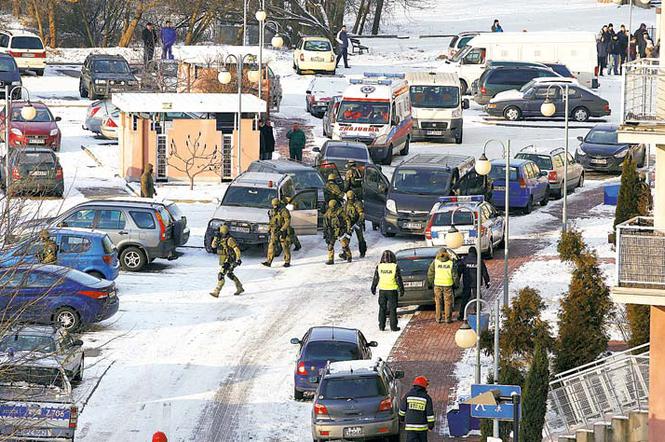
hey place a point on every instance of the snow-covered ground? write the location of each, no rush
(200, 368)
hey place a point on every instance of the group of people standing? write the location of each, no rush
(616, 48)
(167, 35)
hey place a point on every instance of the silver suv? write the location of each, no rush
(552, 162)
(247, 200)
(141, 230)
(357, 400)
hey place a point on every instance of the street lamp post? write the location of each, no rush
(548, 109)
(261, 17)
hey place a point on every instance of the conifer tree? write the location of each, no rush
(628, 192)
(534, 396)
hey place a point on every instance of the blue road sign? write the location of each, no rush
(504, 408)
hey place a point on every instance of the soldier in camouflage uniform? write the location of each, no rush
(279, 225)
(336, 226)
(353, 180)
(229, 258)
(644, 197)
(331, 190)
(49, 252)
(353, 209)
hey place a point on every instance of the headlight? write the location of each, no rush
(491, 106)
(391, 206)
(581, 153)
(16, 131)
(53, 132)
(16, 83)
(457, 113)
(214, 224)
(132, 82)
(381, 139)
(262, 228)
(621, 154)
(100, 81)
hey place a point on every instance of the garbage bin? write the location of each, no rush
(484, 321)
(459, 421)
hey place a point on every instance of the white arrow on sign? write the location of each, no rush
(479, 408)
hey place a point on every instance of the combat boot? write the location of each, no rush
(266, 263)
(331, 257)
(239, 288)
(214, 294)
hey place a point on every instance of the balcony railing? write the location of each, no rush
(640, 255)
(644, 92)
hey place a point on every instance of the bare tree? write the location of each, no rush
(195, 158)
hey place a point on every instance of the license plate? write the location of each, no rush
(38, 173)
(36, 140)
(34, 432)
(434, 132)
(317, 59)
(314, 379)
(240, 229)
(500, 188)
(598, 160)
(413, 284)
(353, 431)
(28, 55)
(413, 226)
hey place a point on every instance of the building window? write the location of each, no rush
(135, 123)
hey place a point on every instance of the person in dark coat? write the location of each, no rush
(149, 37)
(343, 42)
(388, 279)
(496, 26)
(297, 141)
(641, 37)
(622, 38)
(469, 275)
(632, 49)
(601, 48)
(147, 183)
(169, 37)
(266, 140)
(615, 51)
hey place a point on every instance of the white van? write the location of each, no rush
(436, 105)
(376, 110)
(577, 50)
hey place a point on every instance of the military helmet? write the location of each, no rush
(331, 177)
(224, 229)
(350, 162)
(350, 195)
(643, 176)
(275, 202)
(43, 234)
(332, 204)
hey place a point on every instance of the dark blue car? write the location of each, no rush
(601, 151)
(89, 251)
(51, 294)
(528, 184)
(320, 345)
(9, 75)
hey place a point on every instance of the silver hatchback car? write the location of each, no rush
(552, 162)
(357, 400)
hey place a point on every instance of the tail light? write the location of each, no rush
(301, 368)
(162, 226)
(110, 123)
(94, 294)
(595, 71)
(16, 54)
(332, 58)
(386, 405)
(606, 107)
(483, 230)
(552, 177)
(428, 229)
(94, 110)
(302, 57)
(108, 259)
(522, 183)
(16, 174)
(73, 416)
(58, 173)
(320, 410)
(483, 91)
(40, 54)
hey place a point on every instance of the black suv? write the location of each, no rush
(9, 76)
(103, 74)
(33, 170)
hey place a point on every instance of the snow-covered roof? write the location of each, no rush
(184, 102)
(423, 78)
(362, 365)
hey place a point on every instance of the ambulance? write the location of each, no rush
(376, 110)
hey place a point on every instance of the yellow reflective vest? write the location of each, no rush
(388, 276)
(443, 273)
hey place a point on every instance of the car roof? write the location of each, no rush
(446, 207)
(20, 33)
(426, 78)
(78, 231)
(37, 104)
(41, 330)
(607, 127)
(49, 268)
(315, 37)
(436, 160)
(424, 252)
(355, 367)
(259, 179)
(534, 150)
(329, 333)
(285, 165)
(516, 162)
(121, 202)
(340, 143)
(107, 57)
(554, 79)
(33, 150)
(139, 199)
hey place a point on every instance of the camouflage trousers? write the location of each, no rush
(285, 242)
(346, 251)
(293, 238)
(221, 278)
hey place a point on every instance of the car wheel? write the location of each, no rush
(96, 274)
(132, 259)
(298, 395)
(78, 377)
(512, 113)
(580, 183)
(580, 114)
(389, 158)
(67, 318)
(529, 206)
(405, 149)
(463, 87)
(385, 231)
(39, 72)
(82, 90)
(458, 138)
(546, 198)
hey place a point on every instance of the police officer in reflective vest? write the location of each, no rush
(388, 279)
(417, 411)
(442, 274)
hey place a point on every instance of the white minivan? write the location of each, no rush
(577, 50)
(26, 48)
(436, 105)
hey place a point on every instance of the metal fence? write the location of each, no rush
(639, 254)
(595, 392)
(644, 92)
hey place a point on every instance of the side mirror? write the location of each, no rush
(399, 374)
(543, 173)
(580, 139)
(372, 344)
(58, 118)
(465, 103)
(77, 343)
(294, 341)
(316, 149)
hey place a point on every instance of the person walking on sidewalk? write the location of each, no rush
(229, 258)
(147, 183)
(388, 278)
(442, 275)
(169, 37)
(343, 50)
(266, 140)
(296, 142)
(416, 410)
(469, 278)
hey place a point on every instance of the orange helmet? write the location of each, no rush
(421, 381)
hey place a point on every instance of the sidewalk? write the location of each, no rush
(429, 349)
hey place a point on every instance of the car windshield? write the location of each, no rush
(441, 97)
(461, 54)
(562, 70)
(414, 264)
(366, 112)
(333, 151)
(82, 278)
(36, 158)
(544, 162)
(331, 351)
(33, 375)
(528, 86)
(175, 211)
(498, 173)
(27, 43)
(21, 342)
(43, 115)
(353, 387)
(306, 180)
(317, 46)
(462, 217)
(256, 197)
(111, 66)
(601, 137)
(422, 181)
(7, 64)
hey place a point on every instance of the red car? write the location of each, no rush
(40, 131)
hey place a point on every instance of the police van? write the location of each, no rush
(376, 110)
(436, 105)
